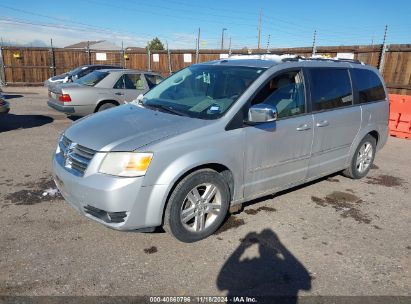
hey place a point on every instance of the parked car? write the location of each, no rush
(217, 134)
(77, 73)
(100, 90)
(4, 105)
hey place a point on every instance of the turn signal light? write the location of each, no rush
(65, 97)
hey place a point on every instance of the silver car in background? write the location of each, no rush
(217, 134)
(101, 90)
(77, 73)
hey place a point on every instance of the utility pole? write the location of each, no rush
(259, 30)
(268, 44)
(383, 51)
(229, 48)
(198, 46)
(222, 38)
(314, 46)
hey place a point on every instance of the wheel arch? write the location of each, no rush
(220, 168)
(104, 101)
(374, 134)
(370, 131)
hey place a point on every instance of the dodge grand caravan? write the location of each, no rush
(217, 134)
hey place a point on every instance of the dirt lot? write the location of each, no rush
(335, 236)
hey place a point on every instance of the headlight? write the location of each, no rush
(126, 164)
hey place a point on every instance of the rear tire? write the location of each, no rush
(197, 206)
(362, 159)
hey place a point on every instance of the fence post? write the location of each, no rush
(384, 49)
(3, 70)
(53, 58)
(148, 59)
(314, 49)
(123, 61)
(169, 61)
(88, 52)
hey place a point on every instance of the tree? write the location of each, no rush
(155, 45)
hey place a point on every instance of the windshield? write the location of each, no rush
(92, 79)
(203, 91)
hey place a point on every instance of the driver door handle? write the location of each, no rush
(303, 127)
(322, 123)
(119, 93)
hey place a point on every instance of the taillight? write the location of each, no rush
(65, 97)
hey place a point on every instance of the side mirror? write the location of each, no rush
(139, 100)
(262, 113)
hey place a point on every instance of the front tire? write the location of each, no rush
(362, 159)
(197, 206)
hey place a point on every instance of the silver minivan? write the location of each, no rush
(217, 134)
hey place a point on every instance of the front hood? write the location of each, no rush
(128, 127)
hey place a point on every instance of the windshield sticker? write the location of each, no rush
(214, 108)
(346, 99)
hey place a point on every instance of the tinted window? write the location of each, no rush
(330, 88)
(369, 85)
(76, 70)
(285, 92)
(153, 80)
(92, 79)
(84, 72)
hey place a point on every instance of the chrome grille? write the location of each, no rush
(74, 157)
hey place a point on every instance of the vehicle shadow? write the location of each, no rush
(280, 193)
(11, 96)
(73, 118)
(9, 122)
(276, 275)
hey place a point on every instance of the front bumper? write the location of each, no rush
(139, 206)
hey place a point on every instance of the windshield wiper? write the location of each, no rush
(165, 108)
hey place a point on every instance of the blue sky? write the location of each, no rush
(288, 23)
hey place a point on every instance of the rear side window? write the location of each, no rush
(369, 86)
(330, 88)
(130, 81)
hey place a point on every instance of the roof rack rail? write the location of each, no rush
(297, 58)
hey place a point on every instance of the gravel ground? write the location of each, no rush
(334, 236)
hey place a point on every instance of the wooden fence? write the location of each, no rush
(32, 66)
